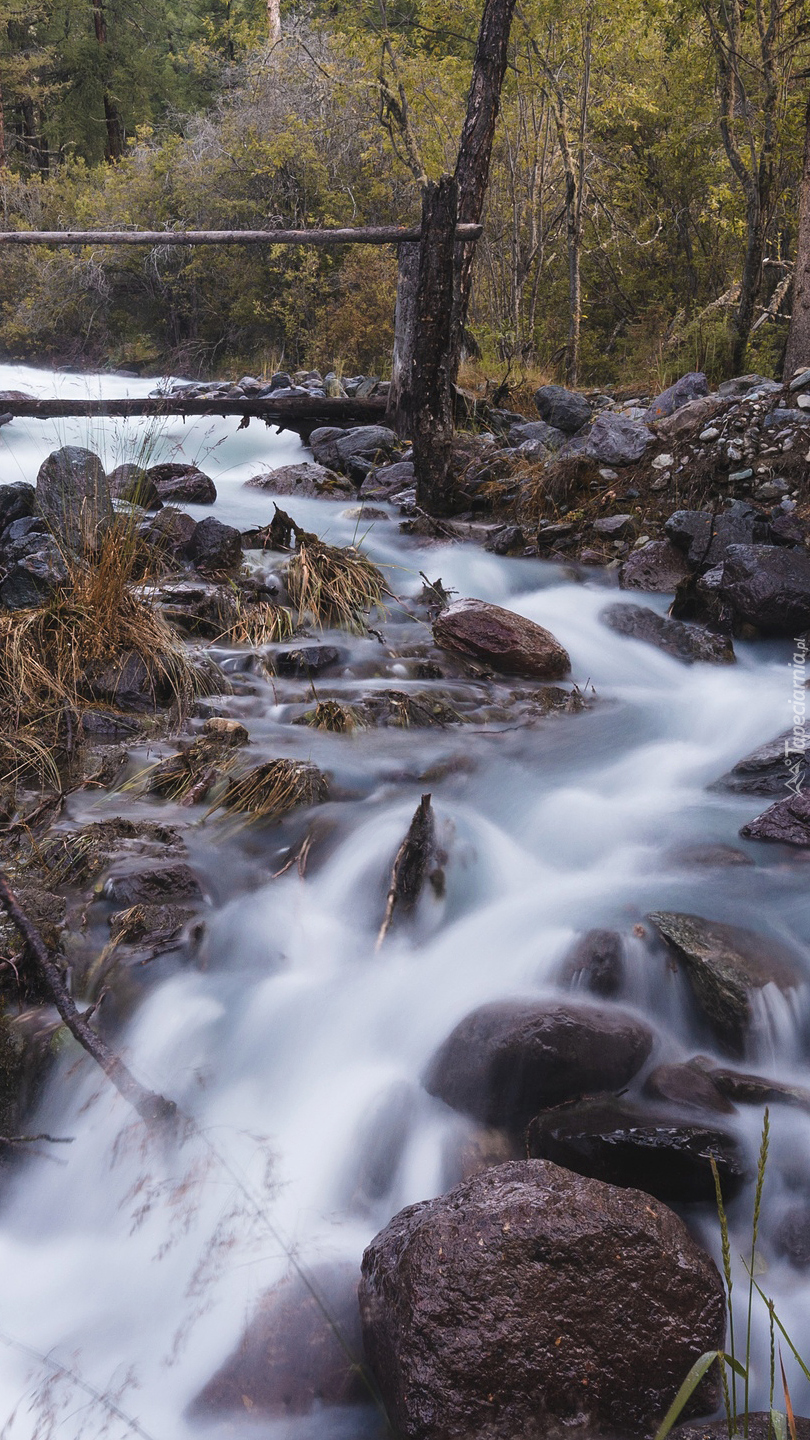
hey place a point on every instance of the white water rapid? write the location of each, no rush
(298, 1050)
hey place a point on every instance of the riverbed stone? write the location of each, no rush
(484, 1310)
(313, 481)
(215, 546)
(170, 530)
(300, 1350)
(785, 823)
(768, 769)
(386, 480)
(134, 484)
(153, 884)
(626, 1144)
(725, 966)
(182, 484)
(507, 1060)
(689, 643)
(563, 409)
(688, 1087)
(760, 1427)
(658, 567)
(768, 586)
(73, 495)
(595, 962)
(507, 642)
(17, 500)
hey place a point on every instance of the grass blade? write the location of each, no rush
(687, 1390)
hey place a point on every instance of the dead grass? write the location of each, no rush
(333, 586)
(331, 715)
(259, 624)
(45, 654)
(269, 791)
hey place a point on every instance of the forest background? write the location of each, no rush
(641, 218)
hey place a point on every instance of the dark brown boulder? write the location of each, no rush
(299, 1349)
(768, 586)
(506, 1061)
(132, 483)
(726, 966)
(658, 567)
(182, 484)
(171, 531)
(529, 1302)
(498, 638)
(214, 546)
(687, 1086)
(596, 963)
(654, 1151)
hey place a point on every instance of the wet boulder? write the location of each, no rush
(366, 442)
(311, 481)
(171, 531)
(73, 495)
(760, 1090)
(127, 682)
(215, 546)
(759, 1422)
(768, 586)
(301, 1349)
(152, 884)
(689, 1087)
(386, 480)
(791, 1239)
(727, 967)
(36, 573)
(134, 485)
(690, 387)
(657, 567)
(182, 484)
(705, 538)
(484, 1310)
(767, 770)
(627, 1145)
(323, 444)
(596, 963)
(305, 660)
(785, 823)
(689, 643)
(16, 502)
(616, 440)
(563, 409)
(495, 637)
(506, 1061)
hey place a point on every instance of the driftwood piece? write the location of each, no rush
(362, 235)
(302, 413)
(152, 1108)
(411, 866)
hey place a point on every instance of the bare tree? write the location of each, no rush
(798, 343)
(115, 130)
(274, 21)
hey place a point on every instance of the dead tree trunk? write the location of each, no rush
(798, 343)
(430, 378)
(398, 414)
(114, 148)
(475, 151)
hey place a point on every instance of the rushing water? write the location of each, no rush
(297, 1048)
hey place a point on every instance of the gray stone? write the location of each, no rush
(388, 480)
(595, 963)
(72, 494)
(182, 484)
(767, 770)
(215, 546)
(366, 442)
(657, 568)
(768, 586)
(615, 440)
(536, 432)
(17, 501)
(690, 387)
(313, 481)
(800, 381)
(323, 444)
(171, 530)
(688, 643)
(565, 410)
(786, 823)
(614, 527)
(134, 484)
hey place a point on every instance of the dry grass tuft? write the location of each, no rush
(334, 586)
(97, 618)
(331, 715)
(259, 624)
(270, 791)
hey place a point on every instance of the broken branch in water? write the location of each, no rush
(151, 1107)
(411, 865)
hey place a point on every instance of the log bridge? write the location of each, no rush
(301, 413)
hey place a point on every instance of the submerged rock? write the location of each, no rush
(72, 494)
(486, 1309)
(508, 642)
(726, 965)
(688, 643)
(626, 1145)
(506, 1061)
(152, 884)
(301, 1349)
(595, 963)
(689, 1086)
(787, 822)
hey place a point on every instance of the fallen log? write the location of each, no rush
(151, 1107)
(302, 413)
(361, 235)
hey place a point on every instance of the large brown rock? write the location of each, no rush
(726, 966)
(658, 568)
(506, 1061)
(496, 637)
(299, 1349)
(530, 1302)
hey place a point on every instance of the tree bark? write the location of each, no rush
(115, 131)
(431, 372)
(399, 412)
(274, 21)
(475, 152)
(2, 129)
(798, 343)
(750, 281)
